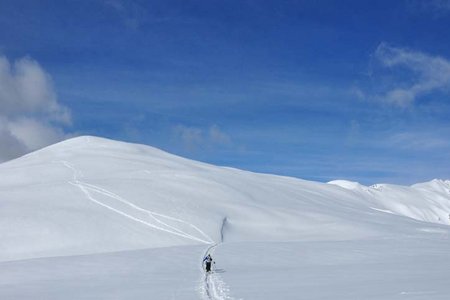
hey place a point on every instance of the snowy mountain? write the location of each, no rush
(109, 213)
(424, 201)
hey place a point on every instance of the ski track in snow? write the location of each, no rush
(87, 188)
(212, 285)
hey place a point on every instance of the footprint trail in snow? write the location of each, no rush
(212, 286)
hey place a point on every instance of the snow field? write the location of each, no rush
(91, 218)
(388, 269)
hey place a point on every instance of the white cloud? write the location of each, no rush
(30, 115)
(34, 134)
(428, 73)
(217, 136)
(194, 137)
(191, 137)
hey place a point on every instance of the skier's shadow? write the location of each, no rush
(219, 271)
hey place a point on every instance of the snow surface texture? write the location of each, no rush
(91, 218)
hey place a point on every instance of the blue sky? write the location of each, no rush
(320, 90)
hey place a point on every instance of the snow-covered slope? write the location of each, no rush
(428, 201)
(91, 196)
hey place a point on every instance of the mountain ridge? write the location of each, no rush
(92, 195)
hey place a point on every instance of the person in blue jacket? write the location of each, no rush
(208, 261)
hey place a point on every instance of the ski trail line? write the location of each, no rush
(151, 213)
(170, 229)
(88, 195)
(206, 282)
(214, 288)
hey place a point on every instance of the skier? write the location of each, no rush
(208, 261)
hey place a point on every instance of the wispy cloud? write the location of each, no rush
(217, 136)
(30, 114)
(439, 4)
(426, 74)
(420, 141)
(437, 7)
(194, 138)
(433, 10)
(131, 12)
